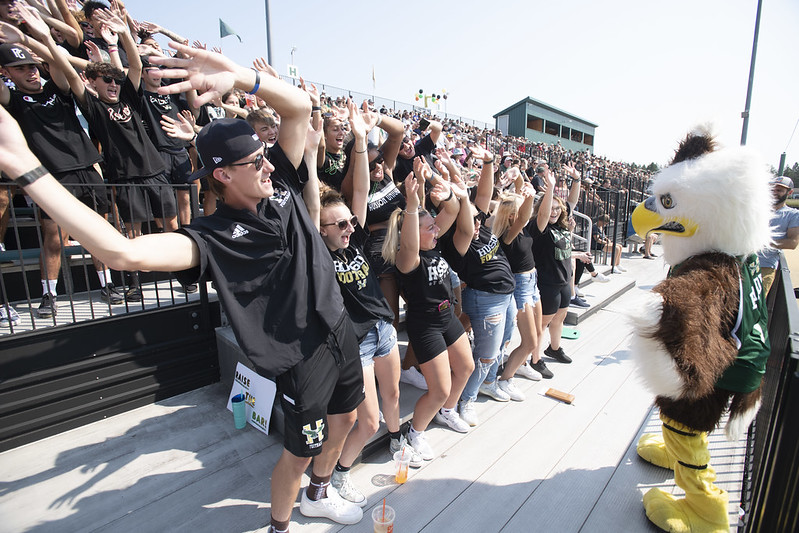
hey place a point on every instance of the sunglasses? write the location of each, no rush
(344, 223)
(110, 79)
(376, 161)
(258, 162)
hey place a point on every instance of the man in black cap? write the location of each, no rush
(272, 270)
(46, 114)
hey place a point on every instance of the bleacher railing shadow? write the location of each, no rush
(22, 267)
(771, 473)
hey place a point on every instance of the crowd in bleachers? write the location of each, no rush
(474, 229)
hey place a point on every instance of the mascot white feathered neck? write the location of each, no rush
(701, 340)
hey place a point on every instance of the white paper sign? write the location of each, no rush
(259, 396)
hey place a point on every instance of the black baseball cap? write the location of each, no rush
(12, 55)
(223, 142)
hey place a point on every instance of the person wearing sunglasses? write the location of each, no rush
(113, 110)
(264, 251)
(46, 114)
(370, 313)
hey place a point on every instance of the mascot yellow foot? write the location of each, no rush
(704, 507)
(652, 449)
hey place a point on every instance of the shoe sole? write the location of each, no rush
(500, 399)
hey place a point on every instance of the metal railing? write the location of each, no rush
(771, 470)
(23, 266)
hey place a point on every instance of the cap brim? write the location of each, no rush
(202, 173)
(21, 62)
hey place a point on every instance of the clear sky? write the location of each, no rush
(644, 71)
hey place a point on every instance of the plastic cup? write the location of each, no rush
(239, 411)
(402, 460)
(383, 519)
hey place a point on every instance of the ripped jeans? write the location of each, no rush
(488, 313)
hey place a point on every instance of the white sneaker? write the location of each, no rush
(396, 445)
(452, 420)
(467, 412)
(601, 278)
(492, 390)
(619, 268)
(526, 371)
(343, 484)
(8, 318)
(333, 507)
(508, 387)
(413, 377)
(419, 443)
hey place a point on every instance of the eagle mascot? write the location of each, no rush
(701, 340)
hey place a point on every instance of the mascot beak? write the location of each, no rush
(646, 220)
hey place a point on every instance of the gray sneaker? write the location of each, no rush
(343, 484)
(396, 445)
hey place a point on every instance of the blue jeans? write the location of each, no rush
(488, 313)
(378, 342)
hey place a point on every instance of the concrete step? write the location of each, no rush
(598, 294)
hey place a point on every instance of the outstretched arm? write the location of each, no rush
(163, 252)
(213, 74)
(408, 254)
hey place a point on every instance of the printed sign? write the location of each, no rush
(259, 396)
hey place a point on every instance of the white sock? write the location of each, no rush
(49, 285)
(104, 276)
(411, 430)
(445, 411)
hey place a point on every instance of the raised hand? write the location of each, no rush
(411, 188)
(261, 65)
(93, 52)
(311, 89)
(10, 33)
(212, 75)
(440, 192)
(38, 28)
(180, 128)
(421, 169)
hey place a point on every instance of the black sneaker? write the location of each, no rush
(133, 294)
(110, 294)
(48, 308)
(558, 355)
(542, 369)
(579, 302)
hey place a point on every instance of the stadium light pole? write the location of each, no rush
(268, 34)
(745, 114)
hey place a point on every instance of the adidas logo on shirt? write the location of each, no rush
(238, 231)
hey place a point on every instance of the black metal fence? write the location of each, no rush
(23, 265)
(770, 495)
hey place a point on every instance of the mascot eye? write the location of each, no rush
(666, 201)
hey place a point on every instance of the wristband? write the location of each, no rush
(379, 120)
(113, 49)
(359, 151)
(315, 108)
(23, 180)
(257, 82)
(489, 162)
(451, 192)
(412, 212)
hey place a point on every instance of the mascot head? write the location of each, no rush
(708, 200)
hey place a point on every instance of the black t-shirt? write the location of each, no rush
(424, 147)
(484, 267)
(333, 169)
(360, 288)
(520, 251)
(154, 107)
(384, 198)
(597, 234)
(52, 129)
(273, 273)
(425, 287)
(552, 249)
(127, 149)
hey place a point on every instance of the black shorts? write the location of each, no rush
(86, 185)
(373, 249)
(178, 167)
(431, 336)
(141, 199)
(554, 297)
(328, 382)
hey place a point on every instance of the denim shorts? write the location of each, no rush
(378, 342)
(526, 291)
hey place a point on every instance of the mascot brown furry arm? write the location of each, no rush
(701, 340)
